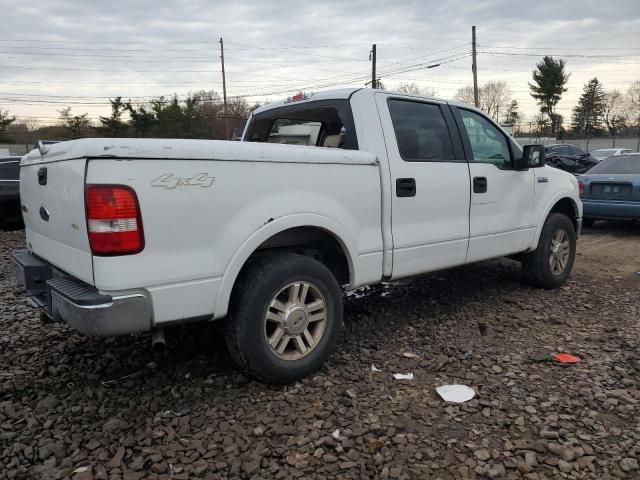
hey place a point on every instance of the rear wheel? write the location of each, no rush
(285, 319)
(550, 264)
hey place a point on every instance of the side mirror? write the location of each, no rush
(532, 157)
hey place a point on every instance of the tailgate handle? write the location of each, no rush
(42, 176)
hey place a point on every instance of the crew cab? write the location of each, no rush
(133, 235)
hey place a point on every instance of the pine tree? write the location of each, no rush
(587, 115)
(114, 126)
(549, 84)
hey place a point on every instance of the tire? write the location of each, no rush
(588, 222)
(537, 265)
(308, 332)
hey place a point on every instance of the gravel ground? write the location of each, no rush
(82, 408)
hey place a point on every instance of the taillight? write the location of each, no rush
(581, 186)
(113, 220)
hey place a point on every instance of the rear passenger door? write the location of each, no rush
(430, 185)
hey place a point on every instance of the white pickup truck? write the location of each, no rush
(133, 235)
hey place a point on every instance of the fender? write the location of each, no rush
(267, 231)
(562, 194)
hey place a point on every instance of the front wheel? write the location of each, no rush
(550, 264)
(285, 319)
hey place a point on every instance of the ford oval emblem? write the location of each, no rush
(44, 213)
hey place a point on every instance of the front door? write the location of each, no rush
(501, 216)
(430, 185)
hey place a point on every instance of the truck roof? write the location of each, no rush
(346, 93)
(336, 94)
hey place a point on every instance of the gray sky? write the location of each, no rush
(79, 53)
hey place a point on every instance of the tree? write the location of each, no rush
(513, 115)
(5, 121)
(587, 115)
(24, 131)
(75, 124)
(541, 124)
(633, 103)
(114, 126)
(142, 119)
(465, 95)
(549, 80)
(494, 98)
(414, 89)
(614, 114)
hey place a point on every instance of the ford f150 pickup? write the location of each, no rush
(133, 235)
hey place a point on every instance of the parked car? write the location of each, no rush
(569, 158)
(611, 189)
(132, 235)
(10, 190)
(603, 153)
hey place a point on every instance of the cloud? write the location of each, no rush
(137, 48)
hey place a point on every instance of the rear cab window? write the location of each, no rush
(323, 123)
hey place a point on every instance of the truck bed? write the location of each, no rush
(200, 202)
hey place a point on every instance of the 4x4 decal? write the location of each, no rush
(169, 181)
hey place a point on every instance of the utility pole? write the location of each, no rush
(224, 92)
(474, 67)
(374, 82)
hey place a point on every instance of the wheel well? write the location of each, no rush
(311, 241)
(568, 208)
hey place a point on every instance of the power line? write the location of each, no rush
(538, 55)
(562, 48)
(111, 42)
(117, 58)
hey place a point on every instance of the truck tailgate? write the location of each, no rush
(52, 195)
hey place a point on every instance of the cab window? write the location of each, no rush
(488, 143)
(421, 131)
(326, 123)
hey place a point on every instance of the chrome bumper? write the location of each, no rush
(80, 305)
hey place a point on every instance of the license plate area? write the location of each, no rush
(611, 190)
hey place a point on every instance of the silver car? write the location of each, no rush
(603, 153)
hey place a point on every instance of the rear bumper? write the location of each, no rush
(80, 305)
(610, 209)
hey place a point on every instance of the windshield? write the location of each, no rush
(604, 153)
(629, 164)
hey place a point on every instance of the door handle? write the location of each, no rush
(42, 176)
(479, 184)
(405, 187)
